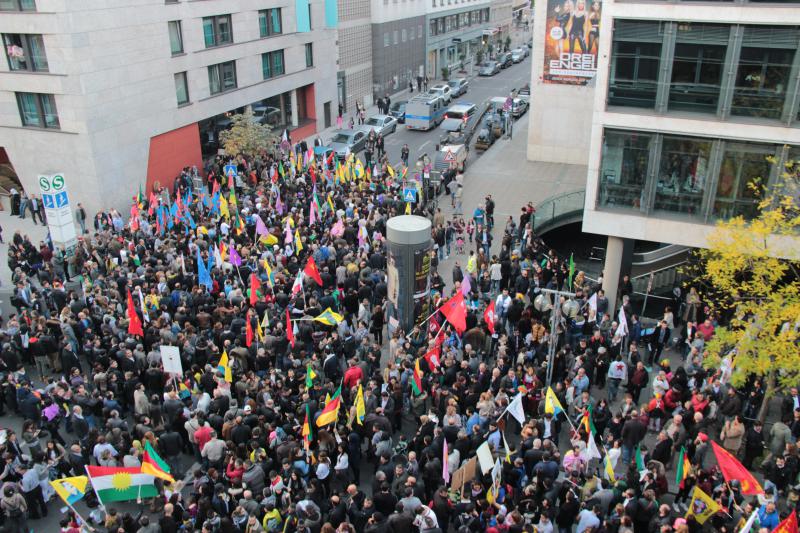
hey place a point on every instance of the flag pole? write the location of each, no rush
(84, 522)
(86, 467)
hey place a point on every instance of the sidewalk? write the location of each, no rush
(10, 225)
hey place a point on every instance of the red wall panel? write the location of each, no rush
(170, 152)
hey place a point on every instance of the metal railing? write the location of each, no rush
(665, 277)
(557, 207)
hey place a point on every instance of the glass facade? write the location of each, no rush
(696, 77)
(682, 175)
(623, 169)
(693, 178)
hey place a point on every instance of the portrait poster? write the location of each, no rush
(572, 31)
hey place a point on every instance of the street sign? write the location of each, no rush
(230, 170)
(57, 209)
(410, 195)
(449, 156)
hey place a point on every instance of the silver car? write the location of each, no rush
(346, 142)
(383, 124)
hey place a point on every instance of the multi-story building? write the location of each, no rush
(457, 29)
(398, 44)
(502, 20)
(695, 104)
(355, 77)
(116, 94)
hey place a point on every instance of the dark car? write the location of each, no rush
(398, 111)
(505, 60)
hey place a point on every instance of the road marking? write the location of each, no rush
(423, 145)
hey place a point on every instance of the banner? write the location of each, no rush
(572, 30)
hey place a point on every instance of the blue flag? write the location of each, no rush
(203, 275)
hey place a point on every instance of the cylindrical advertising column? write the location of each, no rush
(408, 269)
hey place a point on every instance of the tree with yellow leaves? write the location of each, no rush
(750, 274)
(247, 136)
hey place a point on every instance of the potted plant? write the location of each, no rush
(479, 57)
(445, 73)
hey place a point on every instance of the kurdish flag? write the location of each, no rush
(153, 464)
(331, 411)
(416, 379)
(114, 484)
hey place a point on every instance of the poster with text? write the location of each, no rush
(571, 41)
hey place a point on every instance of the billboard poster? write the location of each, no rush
(572, 30)
(422, 277)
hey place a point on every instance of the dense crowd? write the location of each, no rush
(222, 273)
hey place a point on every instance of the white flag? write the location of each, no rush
(750, 521)
(591, 451)
(515, 409)
(593, 303)
(622, 329)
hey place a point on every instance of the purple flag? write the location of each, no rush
(50, 412)
(235, 258)
(279, 205)
(445, 465)
(312, 215)
(261, 228)
(466, 285)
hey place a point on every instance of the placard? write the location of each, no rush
(171, 359)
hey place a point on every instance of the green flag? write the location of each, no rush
(571, 271)
(639, 460)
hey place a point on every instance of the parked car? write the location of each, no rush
(518, 55)
(398, 111)
(490, 68)
(442, 90)
(347, 141)
(458, 86)
(384, 124)
(518, 107)
(268, 115)
(525, 94)
(504, 60)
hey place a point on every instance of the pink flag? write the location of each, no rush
(338, 229)
(445, 467)
(261, 228)
(313, 216)
(466, 285)
(289, 237)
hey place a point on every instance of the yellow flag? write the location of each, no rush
(609, 470)
(70, 489)
(391, 170)
(265, 322)
(224, 366)
(269, 272)
(361, 409)
(223, 207)
(408, 208)
(703, 506)
(259, 331)
(551, 403)
(298, 244)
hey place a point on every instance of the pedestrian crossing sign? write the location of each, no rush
(449, 156)
(410, 195)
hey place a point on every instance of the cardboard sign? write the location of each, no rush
(171, 359)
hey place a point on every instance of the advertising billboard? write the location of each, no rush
(572, 32)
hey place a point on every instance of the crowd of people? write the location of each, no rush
(266, 344)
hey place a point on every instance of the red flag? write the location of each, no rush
(134, 322)
(732, 469)
(433, 356)
(249, 332)
(255, 285)
(312, 271)
(488, 317)
(455, 311)
(789, 525)
(289, 330)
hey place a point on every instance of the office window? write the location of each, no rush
(222, 77)
(25, 52)
(17, 5)
(744, 166)
(217, 30)
(38, 110)
(697, 67)
(634, 64)
(175, 37)
(386, 39)
(272, 64)
(623, 169)
(403, 35)
(434, 27)
(440, 25)
(761, 82)
(269, 22)
(181, 88)
(395, 37)
(309, 54)
(682, 175)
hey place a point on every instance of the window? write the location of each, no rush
(272, 64)
(761, 82)
(217, 30)
(175, 37)
(419, 31)
(181, 88)
(386, 39)
(269, 22)
(38, 110)
(25, 52)
(411, 34)
(309, 55)
(394, 35)
(635, 57)
(744, 166)
(17, 5)
(222, 77)
(403, 35)
(623, 169)
(697, 67)
(434, 27)
(682, 175)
